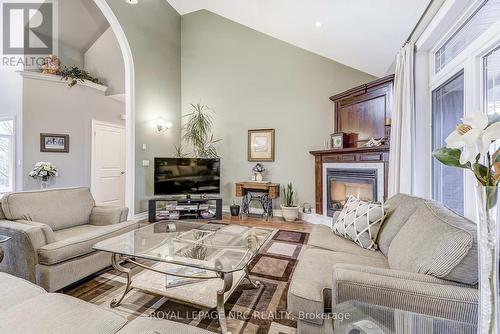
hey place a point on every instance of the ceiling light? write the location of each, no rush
(132, 2)
(318, 24)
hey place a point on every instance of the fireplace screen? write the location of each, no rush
(342, 183)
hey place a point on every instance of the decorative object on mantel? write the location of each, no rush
(468, 147)
(74, 75)
(51, 65)
(338, 140)
(55, 143)
(198, 132)
(289, 209)
(261, 144)
(374, 142)
(44, 172)
(257, 175)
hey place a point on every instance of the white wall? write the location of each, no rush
(104, 60)
(53, 107)
(11, 106)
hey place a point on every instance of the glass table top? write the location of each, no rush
(352, 316)
(4, 239)
(210, 246)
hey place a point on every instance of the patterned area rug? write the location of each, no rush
(248, 310)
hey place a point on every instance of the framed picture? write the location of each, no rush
(261, 145)
(50, 142)
(339, 140)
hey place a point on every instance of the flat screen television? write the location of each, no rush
(178, 176)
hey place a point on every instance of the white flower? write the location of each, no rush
(474, 137)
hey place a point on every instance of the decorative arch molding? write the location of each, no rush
(129, 102)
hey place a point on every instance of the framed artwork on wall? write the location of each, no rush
(56, 143)
(261, 145)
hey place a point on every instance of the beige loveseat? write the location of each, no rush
(427, 263)
(52, 233)
(60, 314)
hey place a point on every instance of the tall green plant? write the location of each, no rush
(198, 131)
(288, 195)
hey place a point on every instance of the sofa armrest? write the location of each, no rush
(21, 250)
(407, 291)
(108, 215)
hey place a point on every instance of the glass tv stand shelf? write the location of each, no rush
(182, 208)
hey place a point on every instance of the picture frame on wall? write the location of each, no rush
(55, 143)
(261, 145)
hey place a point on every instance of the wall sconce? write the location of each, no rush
(162, 125)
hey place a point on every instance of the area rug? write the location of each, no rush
(248, 310)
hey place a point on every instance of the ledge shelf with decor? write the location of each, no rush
(175, 208)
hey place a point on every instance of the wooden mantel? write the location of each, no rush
(362, 112)
(347, 155)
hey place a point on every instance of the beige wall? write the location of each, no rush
(153, 30)
(53, 107)
(252, 81)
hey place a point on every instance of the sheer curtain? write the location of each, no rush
(401, 160)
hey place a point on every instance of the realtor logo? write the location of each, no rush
(28, 32)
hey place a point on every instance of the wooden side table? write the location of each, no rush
(2, 240)
(262, 192)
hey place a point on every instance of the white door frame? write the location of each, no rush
(129, 103)
(92, 152)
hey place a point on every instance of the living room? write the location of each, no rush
(202, 166)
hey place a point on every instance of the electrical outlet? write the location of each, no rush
(145, 163)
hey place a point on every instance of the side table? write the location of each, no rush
(263, 192)
(2, 240)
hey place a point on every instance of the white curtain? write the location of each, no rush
(402, 159)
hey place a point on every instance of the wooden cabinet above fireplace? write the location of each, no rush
(363, 112)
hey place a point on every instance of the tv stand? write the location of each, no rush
(182, 208)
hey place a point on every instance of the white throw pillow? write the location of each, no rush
(360, 222)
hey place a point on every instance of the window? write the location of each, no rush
(447, 110)
(491, 67)
(484, 17)
(6, 155)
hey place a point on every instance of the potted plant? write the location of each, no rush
(289, 209)
(43, 172)
(258, 169)
(235, 209)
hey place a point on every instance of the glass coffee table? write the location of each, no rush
(355, 317)
(191, 261)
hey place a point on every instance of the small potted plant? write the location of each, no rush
(258, 169)
(43, 172)
(289, 209)
(235, 209)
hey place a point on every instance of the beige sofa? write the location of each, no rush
(60, 314)
(426, 263)
(52, 233)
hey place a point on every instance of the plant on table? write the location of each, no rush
(470, 147)
(289, 209)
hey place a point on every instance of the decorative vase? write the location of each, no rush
(44, 183)
(258, 177)
(235, 210)
(488, 248)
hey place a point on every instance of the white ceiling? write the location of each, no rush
(364, 34)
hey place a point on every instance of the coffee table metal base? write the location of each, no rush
(227, 278)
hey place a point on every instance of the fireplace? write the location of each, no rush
(363, 180)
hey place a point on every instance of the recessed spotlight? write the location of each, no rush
(132, 2)
(318, 24)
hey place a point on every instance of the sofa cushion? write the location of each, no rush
(79, 240)
(322, 237)
(149, 325)
(438, 242)
(58, 208)
(54, 313)
(311, 294)
(360, 222)
(16, 290)
(399, 208)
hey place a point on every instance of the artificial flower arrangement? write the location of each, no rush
(258, 168)
(469, 147)
(43, 171)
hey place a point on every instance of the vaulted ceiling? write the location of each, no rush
(364, 34)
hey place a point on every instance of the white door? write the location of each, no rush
(108, 163)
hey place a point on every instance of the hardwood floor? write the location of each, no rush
(276, 222)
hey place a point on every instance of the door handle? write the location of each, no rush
(122, 172)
